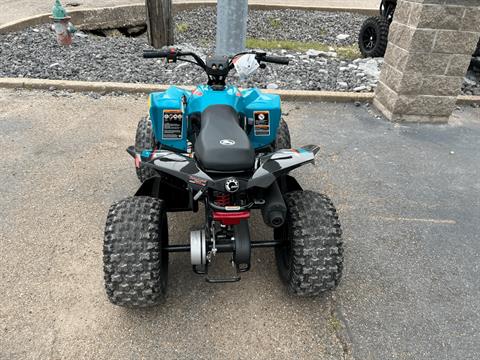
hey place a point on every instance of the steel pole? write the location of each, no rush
(231, 26)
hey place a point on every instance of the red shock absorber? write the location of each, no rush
(222, 199)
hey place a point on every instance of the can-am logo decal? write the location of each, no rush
(227, 142)
(232, 185)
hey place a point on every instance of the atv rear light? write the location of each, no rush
(231, 218)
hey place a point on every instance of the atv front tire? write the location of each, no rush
(373, 37)
(282, 141)
(144, 140)
(135, 266)
(310, 261)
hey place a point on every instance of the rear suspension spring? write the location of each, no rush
(222, 199)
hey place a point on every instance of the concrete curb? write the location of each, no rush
(287, 95)
(122, 15)
(468, 100)
(79, 86)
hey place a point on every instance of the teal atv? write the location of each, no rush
(228, 149)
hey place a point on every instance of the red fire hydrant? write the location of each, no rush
(62, 25)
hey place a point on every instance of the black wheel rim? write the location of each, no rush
(369, 38)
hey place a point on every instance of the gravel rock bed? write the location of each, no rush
(34, 53)
(306, 26)
(471, 84)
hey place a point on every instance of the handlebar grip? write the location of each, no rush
(149, 54)
(277, 60)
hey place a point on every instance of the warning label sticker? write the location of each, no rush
(262, 123)
(172, 124)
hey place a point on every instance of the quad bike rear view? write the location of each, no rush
(225, 152)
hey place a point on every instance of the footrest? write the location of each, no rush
(218, 279)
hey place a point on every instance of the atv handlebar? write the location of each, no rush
(276, 60)
(174, 54)
(148, 54)
(217, 68)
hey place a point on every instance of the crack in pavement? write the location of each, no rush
(342, 332)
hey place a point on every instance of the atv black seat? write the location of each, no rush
(222, 144)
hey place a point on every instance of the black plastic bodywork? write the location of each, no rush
(175, 194)
(180, 178)
(387, 9)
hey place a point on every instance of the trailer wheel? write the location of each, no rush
(373, 37)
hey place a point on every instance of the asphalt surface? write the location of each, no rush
(409, 202)
(64, 164)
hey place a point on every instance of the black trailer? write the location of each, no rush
(373, 37)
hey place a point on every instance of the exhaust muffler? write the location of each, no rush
(275, 210)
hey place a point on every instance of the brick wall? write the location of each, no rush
(430, 48)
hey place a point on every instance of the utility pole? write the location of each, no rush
(231, 26)
(159, 22)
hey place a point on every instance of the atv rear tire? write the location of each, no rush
(373, 37)
(144, 140)
(310, 261)
(135, 266)
(282, 141)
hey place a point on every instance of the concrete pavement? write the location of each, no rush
(66, 165)
(408, 199)
(11, 10)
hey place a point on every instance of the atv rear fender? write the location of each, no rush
(184, 177)
(176, 196)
